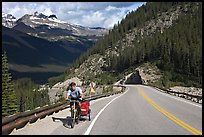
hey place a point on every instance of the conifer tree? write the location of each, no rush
(9, 101)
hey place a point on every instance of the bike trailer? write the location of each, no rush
(84, 108)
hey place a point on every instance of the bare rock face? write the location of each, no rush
(91, 67)
(64, 85)
(117, 89)
(149, 73)
(146, 73)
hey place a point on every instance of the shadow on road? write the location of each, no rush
(67, 121)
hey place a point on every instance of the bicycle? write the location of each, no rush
(74, 113)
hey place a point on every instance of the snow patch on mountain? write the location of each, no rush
(56, 20)
(8, 20)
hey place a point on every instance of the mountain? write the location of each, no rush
(8, 20)
(166, 34)
(40, 45)
(38, 24)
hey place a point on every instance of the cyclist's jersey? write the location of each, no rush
(74, 93)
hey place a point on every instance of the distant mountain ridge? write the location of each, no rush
(43, 25)
(39, 43)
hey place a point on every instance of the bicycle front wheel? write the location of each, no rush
(72, 123)
(72, 118)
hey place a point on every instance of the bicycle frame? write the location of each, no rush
(74, 113)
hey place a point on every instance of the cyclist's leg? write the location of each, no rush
(78, 108)
(71, 108)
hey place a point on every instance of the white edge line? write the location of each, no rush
(92, 123)
(175, 97)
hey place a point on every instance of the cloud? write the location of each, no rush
(89, 14)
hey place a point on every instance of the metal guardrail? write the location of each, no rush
(195, 98)
(17, 121)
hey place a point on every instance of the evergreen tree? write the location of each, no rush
(9, 100)
(28, 94)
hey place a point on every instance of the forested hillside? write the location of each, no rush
(167, 33)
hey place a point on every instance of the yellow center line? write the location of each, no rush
(170, 116)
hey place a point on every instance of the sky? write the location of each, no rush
(88, 14)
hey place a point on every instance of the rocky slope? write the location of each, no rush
(149, 73)
(188, 90)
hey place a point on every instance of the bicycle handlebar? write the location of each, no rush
(73, 101)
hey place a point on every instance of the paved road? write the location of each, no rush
(141, 110)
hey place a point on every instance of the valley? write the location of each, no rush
(38, 43)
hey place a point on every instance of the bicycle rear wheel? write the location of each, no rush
(89, 113)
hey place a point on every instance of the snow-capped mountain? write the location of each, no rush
(36, 19)
(39, 24)
(8, 20)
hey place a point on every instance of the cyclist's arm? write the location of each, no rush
(81, 93)
(68, 95)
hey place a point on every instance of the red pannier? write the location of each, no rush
(84, 108)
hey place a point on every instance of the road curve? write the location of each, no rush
(133, 114)
(141, 110)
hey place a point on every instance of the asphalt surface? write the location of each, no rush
(138, 111)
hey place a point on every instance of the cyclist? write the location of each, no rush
(92, 85)
(75, 93)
